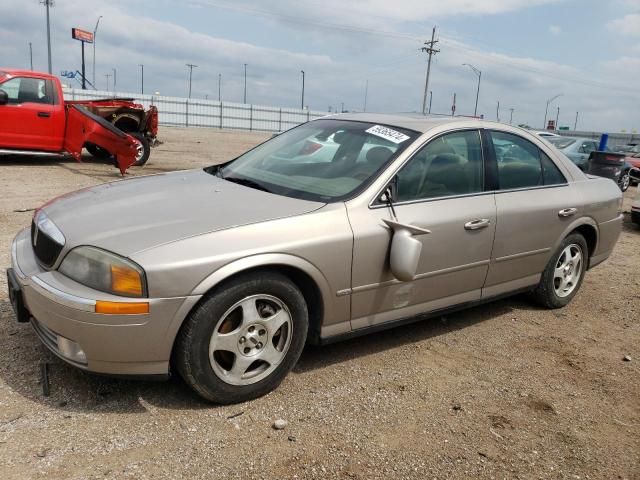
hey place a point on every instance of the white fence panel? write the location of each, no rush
(184, 112)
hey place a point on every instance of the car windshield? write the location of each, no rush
(325, 160)
(561, 142)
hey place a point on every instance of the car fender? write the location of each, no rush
(266, 260)
(578, 222)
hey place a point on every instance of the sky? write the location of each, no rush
(587, 51)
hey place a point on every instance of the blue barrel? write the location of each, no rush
(603, 142)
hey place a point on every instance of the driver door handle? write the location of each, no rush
(44, 114)
(477, 224)
(567, 212)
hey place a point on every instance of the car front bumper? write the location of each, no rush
(62, 313)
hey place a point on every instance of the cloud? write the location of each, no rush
(555, 30)
(627, 25)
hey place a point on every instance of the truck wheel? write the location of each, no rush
(624, 181)
(97, 152)
(144, 149)
(243, 339)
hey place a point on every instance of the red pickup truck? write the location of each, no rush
(35, 120)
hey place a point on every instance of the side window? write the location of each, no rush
(551, 174)
(28, 90)
(449, 165)
(521, 164)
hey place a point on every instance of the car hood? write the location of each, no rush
(133, 215)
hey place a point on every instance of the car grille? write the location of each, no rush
(45, 248)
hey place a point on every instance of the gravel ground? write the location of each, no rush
(505, 390)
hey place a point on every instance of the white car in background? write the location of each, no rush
(544, 134)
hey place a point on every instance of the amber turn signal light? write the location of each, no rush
(126, 281)
(122, 308)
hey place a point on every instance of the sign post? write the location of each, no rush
(84, 37)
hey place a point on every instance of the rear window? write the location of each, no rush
(560, 142)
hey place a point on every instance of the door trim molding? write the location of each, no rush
(521, 255)
(373, 286)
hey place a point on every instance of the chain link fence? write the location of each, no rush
(185, 112)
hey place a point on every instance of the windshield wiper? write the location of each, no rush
(247, 183)
(215, 170)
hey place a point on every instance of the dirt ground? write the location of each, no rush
(505, 390)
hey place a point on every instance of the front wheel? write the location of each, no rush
(624, 181)
(564, 273)
(143, 148)
(242, 340)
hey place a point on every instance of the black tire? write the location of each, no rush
(191, 352)
(97, 152)
(624, 181)
(545, 293)
(146, 148)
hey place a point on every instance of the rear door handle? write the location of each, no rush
(567, 212)
(477, 224)
(44, 114)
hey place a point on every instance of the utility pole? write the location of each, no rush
(31, 55)
(302, 100)
(453, 107)
(114, 79)
(219, 87)
(557, 117)
(245, 84)
(366, 91)
(95, 31)
(107, 75)
(430, 99)
(48, 4)
(546, 111)
(575, 125)
(511, 116)
(341, 107)
(479, 74)
(190, 66)
(141, 78)
(430, 51)
(498, 111)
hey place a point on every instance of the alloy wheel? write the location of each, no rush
(568, 270)
(250, 340)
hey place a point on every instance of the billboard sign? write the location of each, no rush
(82, 35)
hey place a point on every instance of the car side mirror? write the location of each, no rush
(404, 256)
(4, 97)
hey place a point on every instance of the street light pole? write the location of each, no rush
(95, 31)
(31, 55)
(575, 125)
(219, 87)
(479, 74)
(114, 79)
(430, 100)
(557, 118)
(302, 100)
(142, 79)
(546, 111)
(511, 116)
(190, 66)
(48, 3)
(245, 84)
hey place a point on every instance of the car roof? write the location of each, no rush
(417, 122)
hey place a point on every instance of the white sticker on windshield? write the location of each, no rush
(388, 134)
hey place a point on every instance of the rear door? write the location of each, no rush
(28, 121)
(534, 204)
(85, 127)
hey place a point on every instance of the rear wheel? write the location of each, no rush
(624, 181)
(243, 339)
(564, 273)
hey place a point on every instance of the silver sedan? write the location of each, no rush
(223, 274)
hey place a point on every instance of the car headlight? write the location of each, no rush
(104, 271)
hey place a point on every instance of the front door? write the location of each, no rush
(534, 203)
(441, 188)
(28, 120)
